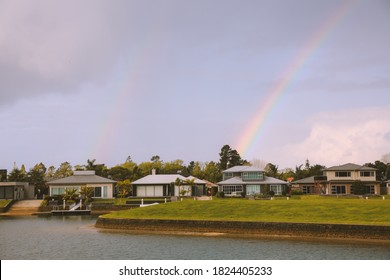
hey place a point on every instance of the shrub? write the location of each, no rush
(220, 194)
(295, 192)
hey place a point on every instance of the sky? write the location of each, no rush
(280, 81)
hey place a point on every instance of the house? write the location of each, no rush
(310, 185)
(339, 180)
(103, 187)
(16, 190)
(249, 180)
(160, 185)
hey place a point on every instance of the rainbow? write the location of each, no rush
(253, 130)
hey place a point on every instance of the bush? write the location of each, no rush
(295, 192)
(220, 194)
(272, 193)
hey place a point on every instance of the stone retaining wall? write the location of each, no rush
(251, 228)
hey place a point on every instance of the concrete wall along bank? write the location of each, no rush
(251, 228)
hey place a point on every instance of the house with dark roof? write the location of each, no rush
(340, 178)
(103, 187)
(310, 185)
(161, 185)
(249, 180)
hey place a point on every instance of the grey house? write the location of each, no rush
(249, 180)
(16, 190)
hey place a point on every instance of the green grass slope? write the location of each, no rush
(306, 210)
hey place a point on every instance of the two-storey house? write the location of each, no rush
(249, 180)
(340, 179)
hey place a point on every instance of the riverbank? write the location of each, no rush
(367, 233)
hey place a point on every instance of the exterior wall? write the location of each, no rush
(106, 189)
(355, 175)
(347, 186)
(16, 190)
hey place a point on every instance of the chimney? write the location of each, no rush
(153, 171)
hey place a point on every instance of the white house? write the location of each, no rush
(103, 187)
(160, 185)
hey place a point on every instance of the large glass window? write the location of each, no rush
(343, 174)
(367, 174)
(57, 191)
(232, 190)
(253, 189)
(338, 189)
(252, 176)
(277, 189)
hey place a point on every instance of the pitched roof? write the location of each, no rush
(307, 180)
(164, 179)
(243, 168)
(73, 180)
(349, 167)
(82, 178)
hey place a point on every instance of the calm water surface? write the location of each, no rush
(77, 238)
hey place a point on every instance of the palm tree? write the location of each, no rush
(86, 193)
(70, 194)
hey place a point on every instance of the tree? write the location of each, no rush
(229, 158)
(65, 170)
(17, 175)
(358, 187)
(179, 184)
(155, 158)
(212, 172)
(124, 188)
(36, 176)
(119, 173)
(70, 194)
(86, 193)
(50, 172)
(271, 170)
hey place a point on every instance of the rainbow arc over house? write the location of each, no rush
(249, 138)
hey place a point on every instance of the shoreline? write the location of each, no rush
(263, 230)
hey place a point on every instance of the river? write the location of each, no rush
(75, 237)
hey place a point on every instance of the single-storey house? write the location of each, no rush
(103, 187)
(16, 190)
(160, 185)
(310, 185)
(249, 180)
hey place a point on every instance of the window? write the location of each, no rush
(367, 174)
(343, 174)
(306, 189)
(229, 190)
(97, 192)
(227, 175)
(277, 189)
(253, 189)
(371, 189)
(246, 176)
(338, 189)
(57, 191)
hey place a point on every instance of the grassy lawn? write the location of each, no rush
(308, 209)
